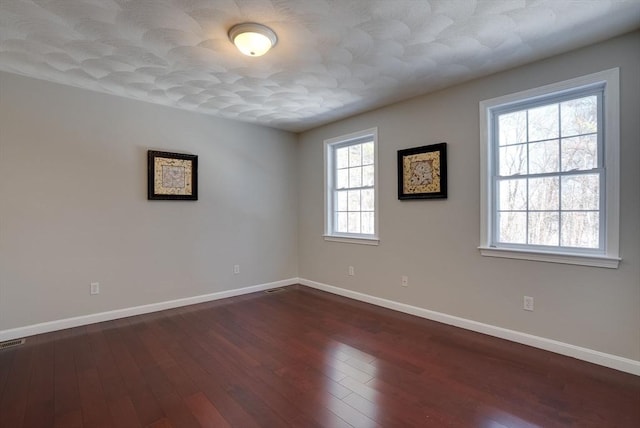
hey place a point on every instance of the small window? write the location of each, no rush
(550, 173)
(351, 188)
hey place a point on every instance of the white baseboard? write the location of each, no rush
(46, 327)
(608, 360)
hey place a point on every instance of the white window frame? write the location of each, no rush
(609, 258)
(330, 145)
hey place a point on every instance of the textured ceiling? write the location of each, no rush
(334, 58)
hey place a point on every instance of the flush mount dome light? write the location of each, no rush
(252, 39)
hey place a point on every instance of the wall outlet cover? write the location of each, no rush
(527, 303)
(95, 288)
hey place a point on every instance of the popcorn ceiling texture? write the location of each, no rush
(334, 58)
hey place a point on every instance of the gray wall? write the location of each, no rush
(74, 209)
(435, 242)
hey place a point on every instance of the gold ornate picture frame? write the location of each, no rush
(172, 176)
(422, 172)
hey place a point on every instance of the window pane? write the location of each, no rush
(367, 222)
(543, 123)
(543, 193)
(513, 160)
(579, 116)
(512, 227)
(543, 228)
(342, 179)
(342, 157)
(368, 176)
(355, 155)
(580, 153)
(367, 153)
(354, 223)
(341, 201)
(354, 200)
(355, 177)
(512, 128)
(342, 223)
(513, 195)
(350, 180)
(580, 229)
(581, 192)
(547, 170)
(368, 200)
(543, 157)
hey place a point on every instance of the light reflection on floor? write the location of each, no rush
(355, 369)
(490, 417)
(350, 368)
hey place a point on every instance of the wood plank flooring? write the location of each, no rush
(300, 358)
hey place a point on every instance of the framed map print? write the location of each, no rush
(422, 172)
(172, 176)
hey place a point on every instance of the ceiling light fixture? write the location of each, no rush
(252, 39)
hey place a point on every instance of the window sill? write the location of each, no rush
(542, 256)
(352, 240)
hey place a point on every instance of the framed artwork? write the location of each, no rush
(172, 176)
(422, 172)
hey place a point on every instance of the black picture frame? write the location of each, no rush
(172, 176)
(422, 172)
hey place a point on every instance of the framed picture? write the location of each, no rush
(422, 172)
(172, 176)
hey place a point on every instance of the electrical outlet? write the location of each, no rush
(95, 288)
(352, 271)
(404, 281)
(527, 303)
(236, 269)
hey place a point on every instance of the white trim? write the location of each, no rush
(596, 357)
(46, 327)
(607, 360)
(611, 105)
(611, 131)
(551, 257)
(328, 185)
(352, 240)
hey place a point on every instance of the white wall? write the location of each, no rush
(74, 209)
(435, 242)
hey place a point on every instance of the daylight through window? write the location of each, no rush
(550, 172)
(351, 186)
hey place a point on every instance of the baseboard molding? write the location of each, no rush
(608, 360)
(46, 327)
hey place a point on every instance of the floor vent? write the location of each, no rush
(12, 343)
(274, 290)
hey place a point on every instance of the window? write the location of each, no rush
(550, 173)
(351, 198)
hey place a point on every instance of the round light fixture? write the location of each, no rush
(252, 39)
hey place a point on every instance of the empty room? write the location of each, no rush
(319, 213)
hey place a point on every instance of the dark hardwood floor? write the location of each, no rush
(300, 358)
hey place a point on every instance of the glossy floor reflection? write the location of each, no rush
(300, 358)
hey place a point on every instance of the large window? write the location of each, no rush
(550, 171)
(350, 188)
